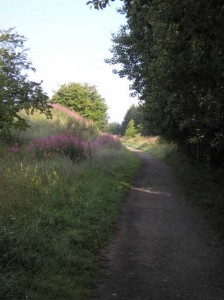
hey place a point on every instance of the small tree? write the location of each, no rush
(131, 130)
(16, 91)
(85, 100)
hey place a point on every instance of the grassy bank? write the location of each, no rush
(57, 211)
(203, 188)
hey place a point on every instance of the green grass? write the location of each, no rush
(203, 188)
(56, 217)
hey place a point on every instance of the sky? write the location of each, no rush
(68, 42)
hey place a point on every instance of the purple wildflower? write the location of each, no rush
(15, 148)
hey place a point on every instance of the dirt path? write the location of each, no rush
(164, 248)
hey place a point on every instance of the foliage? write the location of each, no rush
(84, 100)
(173, 52)
(99, 4)
(131, 131)
(16, 91)
(130, 115)
(57, 215)
(137, 114)
(114, 128)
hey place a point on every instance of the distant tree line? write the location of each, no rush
(135, 115)
(172, 51)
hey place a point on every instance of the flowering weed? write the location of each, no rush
(56, 216)
(63, 144)
(67, 144)
(107, 140)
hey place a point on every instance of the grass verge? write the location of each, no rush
(57, 212)
(56, 216)
(203, 188)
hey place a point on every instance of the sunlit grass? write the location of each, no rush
(154, 145)
(60, 122)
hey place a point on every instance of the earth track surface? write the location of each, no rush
(164, 248)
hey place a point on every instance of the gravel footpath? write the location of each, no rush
(164, 248)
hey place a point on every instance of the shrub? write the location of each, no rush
(63, 144)
(67, 144)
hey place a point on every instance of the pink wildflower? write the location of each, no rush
(15, 148)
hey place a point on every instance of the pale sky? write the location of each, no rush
(68, 42)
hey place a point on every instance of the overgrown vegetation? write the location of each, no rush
(136, 113)
(173, 53)
(202, 187)
(58, 210)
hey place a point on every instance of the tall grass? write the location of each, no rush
(203, 188)
(57, 214)
(61, 122)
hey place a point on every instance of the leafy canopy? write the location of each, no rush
(114, 128)
(17, 92)
(173, 53)
(85, 100)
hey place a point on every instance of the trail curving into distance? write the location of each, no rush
(164, 248)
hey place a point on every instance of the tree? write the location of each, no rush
(131, 131)
(114, 128)
(85, 100)
(173, 53)
(130, 115)
(16, 91)
(137, 114)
